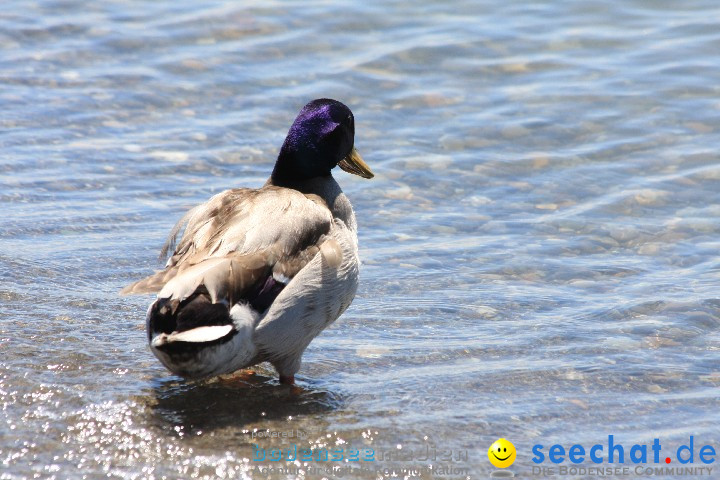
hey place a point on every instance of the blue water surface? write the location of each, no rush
(540, 243)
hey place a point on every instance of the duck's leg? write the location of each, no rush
(290, 381)
(241, 378)
(287, 367)
(244, 375)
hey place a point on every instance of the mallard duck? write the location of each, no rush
(259, 273)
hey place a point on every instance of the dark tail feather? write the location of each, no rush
(167, 316)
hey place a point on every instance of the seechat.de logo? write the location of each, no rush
(613, 452)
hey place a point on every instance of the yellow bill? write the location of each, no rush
(354, 164)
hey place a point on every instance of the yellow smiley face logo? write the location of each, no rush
(501, 453)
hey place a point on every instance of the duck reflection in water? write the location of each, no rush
(240, 400)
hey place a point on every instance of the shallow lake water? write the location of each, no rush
(539, 246)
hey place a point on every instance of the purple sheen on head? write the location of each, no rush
(322, 134)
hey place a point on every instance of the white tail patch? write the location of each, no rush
(244, 317)
(196, 335)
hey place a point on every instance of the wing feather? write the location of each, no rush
(238, 238)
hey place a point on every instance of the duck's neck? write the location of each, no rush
(326, 188)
